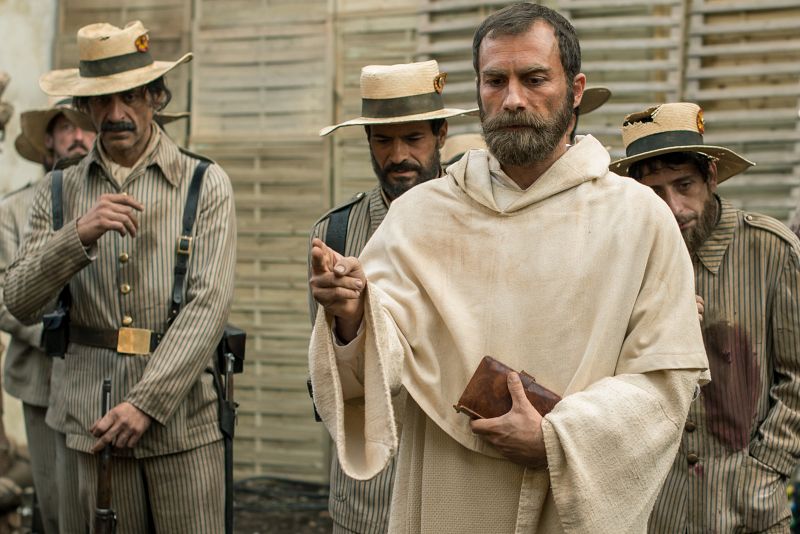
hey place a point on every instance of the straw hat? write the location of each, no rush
(112, 60)
(30, 143)
(673, 128)
(392, 94)
(6, 109)
(456, 145)
(164, 117)
(593, 98)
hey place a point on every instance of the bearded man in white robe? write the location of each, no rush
(537, 255)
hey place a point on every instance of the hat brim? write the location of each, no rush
(443, 113)
(70, 82)
(593, 98)
(34, 124)
(27, 150)
(165, 118)
(729, 163)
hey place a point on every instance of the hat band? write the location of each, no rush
(386, 108)
(114, 65)
(663, 140)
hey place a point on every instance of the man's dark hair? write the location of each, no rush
(671, 160)
(517, 19)
(160, 95)
(436, 126)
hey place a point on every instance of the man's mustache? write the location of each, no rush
(120, 126)
(507, 119)
(76, 145)
(403, 166)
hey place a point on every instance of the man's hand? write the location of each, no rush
(517, 434)
(338, 284)
(111, 212)
(700, 307)
(121, 427)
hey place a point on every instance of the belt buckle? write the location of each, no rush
(133, 341)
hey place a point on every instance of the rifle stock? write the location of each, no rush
(105, 519)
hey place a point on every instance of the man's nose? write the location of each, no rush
(514, 100)
(116, 109)
(399, 151)
(675, 202)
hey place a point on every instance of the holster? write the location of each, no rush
(55, 332)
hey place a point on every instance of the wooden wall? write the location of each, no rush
(268, 74)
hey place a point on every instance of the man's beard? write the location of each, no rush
(695, 236)
(395, 188)
(534, 139)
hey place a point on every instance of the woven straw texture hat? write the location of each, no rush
(112, 60)
(456, 145)
(669, 128)
(593, 98)
(30, 143)
(6, 109)
(391, 94)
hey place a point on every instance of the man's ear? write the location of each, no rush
(712, 176)
(578, 85)
(48, 141)
(442, 135)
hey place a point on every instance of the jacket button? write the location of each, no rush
(127, 320)
(124, 289)
(690, 426)
(123, 258)
(692, 458)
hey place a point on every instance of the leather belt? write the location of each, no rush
(125, 340)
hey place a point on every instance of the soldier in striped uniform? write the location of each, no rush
(742, 436)
(123, 208)
(56, 133)
(404, 140)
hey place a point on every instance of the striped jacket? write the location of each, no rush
(357, 506)
(742, 435)
(125, 281)
(26, 369)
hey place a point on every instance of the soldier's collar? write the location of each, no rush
(713, 249)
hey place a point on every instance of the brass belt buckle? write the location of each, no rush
(133, 341)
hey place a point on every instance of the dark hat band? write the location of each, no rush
(386, 108)
(114, 65)
(663, 140)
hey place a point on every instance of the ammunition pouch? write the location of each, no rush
(232, 342)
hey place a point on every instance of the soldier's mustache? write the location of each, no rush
(78, 144)
(121, 126)
(404, 166)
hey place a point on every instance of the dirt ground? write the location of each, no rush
(269, 506)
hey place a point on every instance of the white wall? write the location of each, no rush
(27, 28)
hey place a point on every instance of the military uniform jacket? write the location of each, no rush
(26, 370)
(125, 281)
(359, 506)
(742, 435)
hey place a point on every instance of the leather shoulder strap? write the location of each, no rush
(57, 194)
(184, 245)
(336, 234)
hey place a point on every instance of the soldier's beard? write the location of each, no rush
(695, 236)
(521, 139)
(396, 186)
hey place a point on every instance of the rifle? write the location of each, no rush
(230, 361)
(105, 519)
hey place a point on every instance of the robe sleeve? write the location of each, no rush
(610, 447)
(363, 428)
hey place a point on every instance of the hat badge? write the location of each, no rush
(438, 82)
(701, 124)
(143, 43)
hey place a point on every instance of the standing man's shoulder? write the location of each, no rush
(215, 176)
(348, 205)
(764, 226)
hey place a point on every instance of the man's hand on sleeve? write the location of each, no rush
(123, 426)
(701, 306)
(518, 433)
(338, 283)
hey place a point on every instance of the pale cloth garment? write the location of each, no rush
(583, 281)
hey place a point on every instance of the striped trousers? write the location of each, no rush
(71, 518)
(42, 448)
(180, 493)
